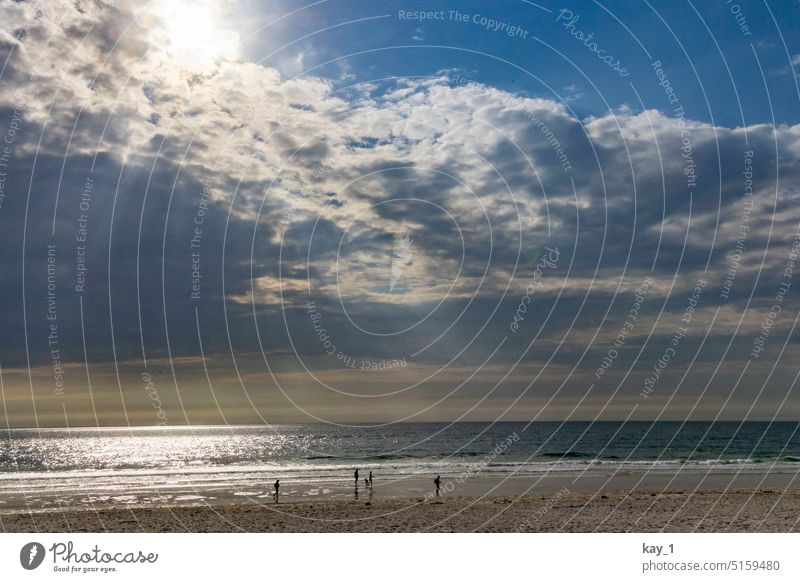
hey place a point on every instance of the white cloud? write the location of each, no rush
(480, 153)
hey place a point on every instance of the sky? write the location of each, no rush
(221, 212)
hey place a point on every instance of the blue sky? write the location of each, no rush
(337, 212)
(715, 65)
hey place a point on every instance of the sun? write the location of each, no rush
(196, 35)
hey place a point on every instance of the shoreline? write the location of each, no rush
(763, 510)
(55, 492)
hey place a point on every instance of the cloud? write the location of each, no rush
(312, 181)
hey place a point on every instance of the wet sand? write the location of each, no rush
(558, 511)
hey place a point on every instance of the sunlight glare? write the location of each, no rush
(195, 37)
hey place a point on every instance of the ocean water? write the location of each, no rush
(130, 464)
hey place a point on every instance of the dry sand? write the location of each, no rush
(704, 511)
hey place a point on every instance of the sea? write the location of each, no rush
(145, 465)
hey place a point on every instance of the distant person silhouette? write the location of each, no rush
(356, 477)
(437, 482)
(277, 487)
(370, 478)
(366, 482)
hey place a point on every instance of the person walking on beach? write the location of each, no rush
(437, 482)
(356, 476)
(370, 479)
(277, 487)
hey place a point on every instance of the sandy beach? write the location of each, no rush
(678, 511)
(175, 480)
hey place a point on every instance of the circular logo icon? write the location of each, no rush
(31, 555)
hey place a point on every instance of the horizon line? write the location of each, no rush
(377, 425)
